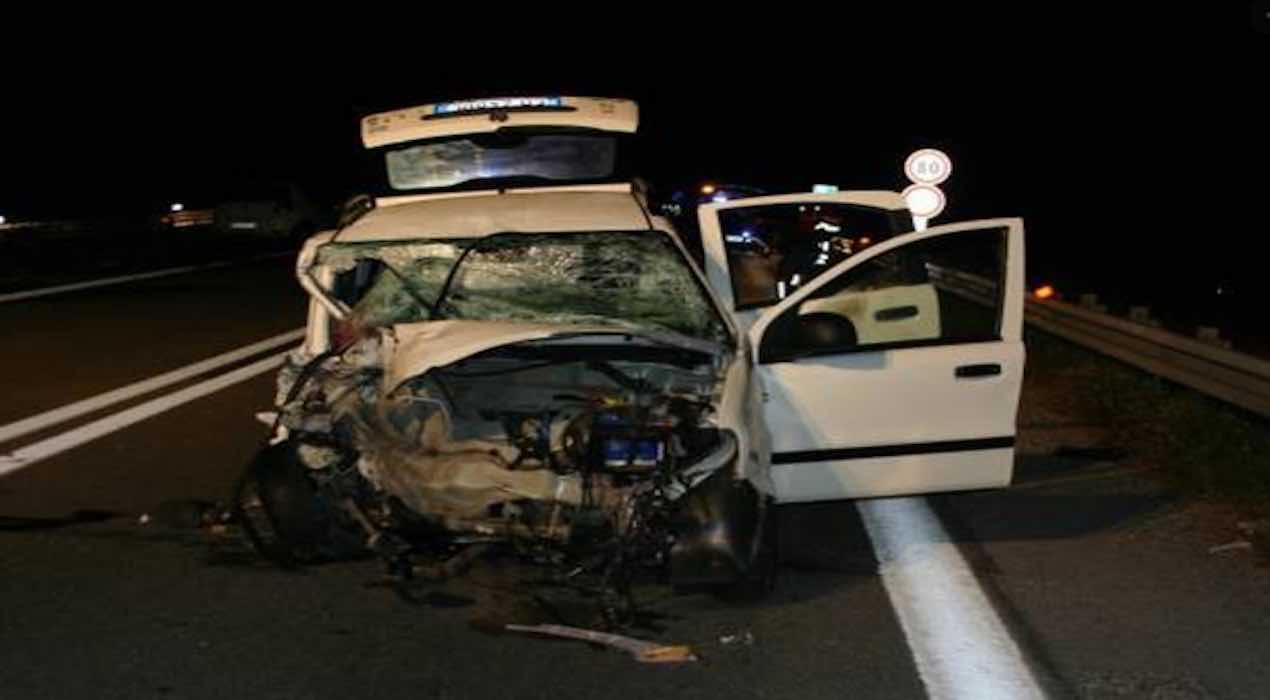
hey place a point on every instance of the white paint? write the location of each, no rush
(32, 293)
(79, 408)
(960, 646)
(926, 201)
(121, 279)
(58, 444)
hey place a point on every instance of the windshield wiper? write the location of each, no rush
(435, 310)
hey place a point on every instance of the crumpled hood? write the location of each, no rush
(420, 347)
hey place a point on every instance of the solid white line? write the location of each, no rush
(107, 281)
(57, 444)
(100, 401)
(961, 647)
(45, 291)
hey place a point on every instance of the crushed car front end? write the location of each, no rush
(572, 398)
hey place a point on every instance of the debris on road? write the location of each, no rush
(745, 638)
(642, 650)
(186, 515)
(1237, 545)
(1252, 528)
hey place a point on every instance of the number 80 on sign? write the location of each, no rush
(929, 166)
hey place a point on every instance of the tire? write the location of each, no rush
(759, 580)
(283, 515)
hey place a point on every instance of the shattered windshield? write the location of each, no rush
(627, 279)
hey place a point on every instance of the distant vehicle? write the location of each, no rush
(279, 211)
(187, 218)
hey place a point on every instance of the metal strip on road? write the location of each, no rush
(79, 408)
(121, 279)
(961, 647)
(26, 456)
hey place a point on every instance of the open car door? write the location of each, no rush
(896, 370)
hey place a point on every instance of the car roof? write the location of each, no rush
(474, 215)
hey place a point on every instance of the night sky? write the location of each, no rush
(1135, 145)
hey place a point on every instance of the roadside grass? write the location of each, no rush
(1201, 448)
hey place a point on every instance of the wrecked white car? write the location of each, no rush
(547, 372)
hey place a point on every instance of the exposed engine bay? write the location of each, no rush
(596, 455)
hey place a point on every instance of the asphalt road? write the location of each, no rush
(1103, 583)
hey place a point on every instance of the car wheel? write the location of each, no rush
(758, 582)
(284, 516)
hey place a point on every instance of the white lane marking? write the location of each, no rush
(26, 456)
(100, 401)
(107, 281)
(961, 647)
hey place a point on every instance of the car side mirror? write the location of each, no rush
(795, 335)
(826, 331)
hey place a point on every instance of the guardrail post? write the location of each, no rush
(1212, 336)
(1142, 314)
(1090, 301)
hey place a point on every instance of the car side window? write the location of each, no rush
(774, 249)
(936, 291)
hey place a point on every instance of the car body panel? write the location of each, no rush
(885, 315)
(890, 421)
(481, 215)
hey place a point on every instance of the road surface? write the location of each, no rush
(1084, 580)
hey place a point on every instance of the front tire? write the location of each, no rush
(759, 580)
(284, 516)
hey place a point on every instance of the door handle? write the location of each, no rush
(895, 313)
(988, 369)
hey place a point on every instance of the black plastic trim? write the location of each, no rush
(915, 448)
(770, 359)
(987, 369)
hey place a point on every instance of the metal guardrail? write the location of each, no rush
(1217, 371)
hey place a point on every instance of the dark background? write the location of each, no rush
(1134, 142)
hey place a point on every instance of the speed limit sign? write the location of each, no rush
(929, 166)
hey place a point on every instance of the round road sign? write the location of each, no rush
(929, 166)
(925, 201)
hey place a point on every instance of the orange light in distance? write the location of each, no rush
(865, 240)
(707, 189)
(1044, 292)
